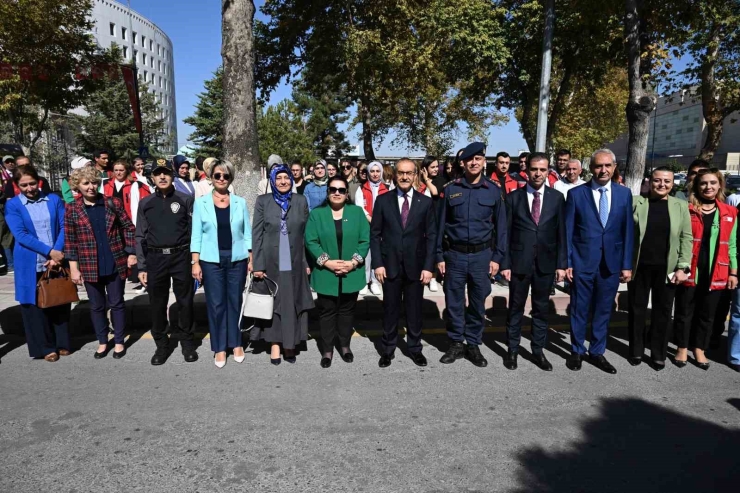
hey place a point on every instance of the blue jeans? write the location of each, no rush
(733, 332)
(9, 257)
(223, 283)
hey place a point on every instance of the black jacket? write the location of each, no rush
(543, 245)
(396, 248)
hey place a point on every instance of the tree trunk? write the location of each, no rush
(240, 118)
(528, 130)
(367, 132)
(710, 104)
(641, 101)
(558, 104)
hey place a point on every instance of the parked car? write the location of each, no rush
(679, 179)
(732, 183)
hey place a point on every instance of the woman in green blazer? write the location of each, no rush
(662, 258)
(337, 240)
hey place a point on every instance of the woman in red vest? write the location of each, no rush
(365, 198)
(127, 188)
(713, 266)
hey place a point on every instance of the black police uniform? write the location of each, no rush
(163, 228)
(472, 233)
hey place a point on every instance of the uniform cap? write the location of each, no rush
(474, 149)
(163, 164)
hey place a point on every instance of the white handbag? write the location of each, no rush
(259, 306)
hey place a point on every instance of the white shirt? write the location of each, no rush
(597, 195)
(733, 200)
(119, 185)
(401, 195)
(564, 186)
(530, 196)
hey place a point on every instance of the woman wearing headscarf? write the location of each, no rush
(183, 181)
(280, 256)
(365, 199)
(315, 192)
(220, 243)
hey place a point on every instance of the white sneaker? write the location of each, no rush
(364, 291)
(375, 289)
(433, 286)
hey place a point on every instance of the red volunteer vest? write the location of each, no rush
(721, 271)
(367, 194)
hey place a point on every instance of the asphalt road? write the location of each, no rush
(82, 425)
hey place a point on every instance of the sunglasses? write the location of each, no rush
(363, 171)
(218, 176)
(340, 190)
(347, 167)
(158, 172)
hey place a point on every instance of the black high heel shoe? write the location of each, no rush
(325, 362)
(703, 366)
(348, 357)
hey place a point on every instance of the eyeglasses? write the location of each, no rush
(340, 190)
(218, 176)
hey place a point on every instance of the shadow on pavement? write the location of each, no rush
(8, 344)
(634, 445)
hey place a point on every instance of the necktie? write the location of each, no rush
(536, 206)
(603, 207)
(405, 211)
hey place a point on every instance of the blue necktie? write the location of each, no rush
(603, 207)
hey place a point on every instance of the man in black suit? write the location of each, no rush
(536, 256)
(403, 237)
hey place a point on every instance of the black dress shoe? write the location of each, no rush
(348, 357)
(190, 355)
(159, 358)
(119, 355)
(657, 365)
(472, 353)
(541, 361)
(275, 361)
(418, 359)
(635, 361)
(600, 362)
(510, 360)
(385, 360)
(102, 355)
(325, 362)
(574, 362)
(455, 352)
(734, 366)
(703, 366)
(679, 363)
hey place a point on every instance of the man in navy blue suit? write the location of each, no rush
(599, 225)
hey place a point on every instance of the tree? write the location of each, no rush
(398, 61)
(282, 131)
(713, 47)
(44, 43)
(240, 141)
(322, 113)
(109, 122)
(208, 119)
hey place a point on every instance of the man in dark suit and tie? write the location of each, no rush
(600, 232)
(403, 237)
(536, 256)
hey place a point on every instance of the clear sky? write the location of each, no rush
(194, 26)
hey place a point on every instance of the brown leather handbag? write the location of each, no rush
(56, 291)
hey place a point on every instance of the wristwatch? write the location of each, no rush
(193, 262)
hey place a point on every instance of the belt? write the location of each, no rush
(170, 250)
(468, 248)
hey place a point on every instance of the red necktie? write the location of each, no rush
(536, 208)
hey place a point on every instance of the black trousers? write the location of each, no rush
(336, 315)
(412, 293)
(720, 317)
(518, 292)
(47, 329)
(160, 270)
(696, 308)
(650, 279)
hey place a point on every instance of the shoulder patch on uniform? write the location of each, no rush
(455, 195)
(449, 183)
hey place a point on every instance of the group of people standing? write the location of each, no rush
(350, 230)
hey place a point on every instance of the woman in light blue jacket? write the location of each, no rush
(220, 246)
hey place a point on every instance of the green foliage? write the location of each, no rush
(208, 119)
(420, 67)
(51, 37)
(109, 122)
(321, 113)
(282, 131)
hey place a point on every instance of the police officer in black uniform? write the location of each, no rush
(163, 229)
(471, 245)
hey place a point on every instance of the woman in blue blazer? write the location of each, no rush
(220, 245)
(37, 223)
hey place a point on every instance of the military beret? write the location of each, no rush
(474, 149)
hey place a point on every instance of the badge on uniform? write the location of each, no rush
(175, 207)
(455, 195)
(727, 218)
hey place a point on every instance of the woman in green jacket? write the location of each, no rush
(662, 258)
(337, 240)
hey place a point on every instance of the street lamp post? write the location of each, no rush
(545, 77)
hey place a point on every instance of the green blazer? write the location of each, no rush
(681, 239)
(321, 238)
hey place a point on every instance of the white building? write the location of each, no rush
(677, 131)
(151, 50)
